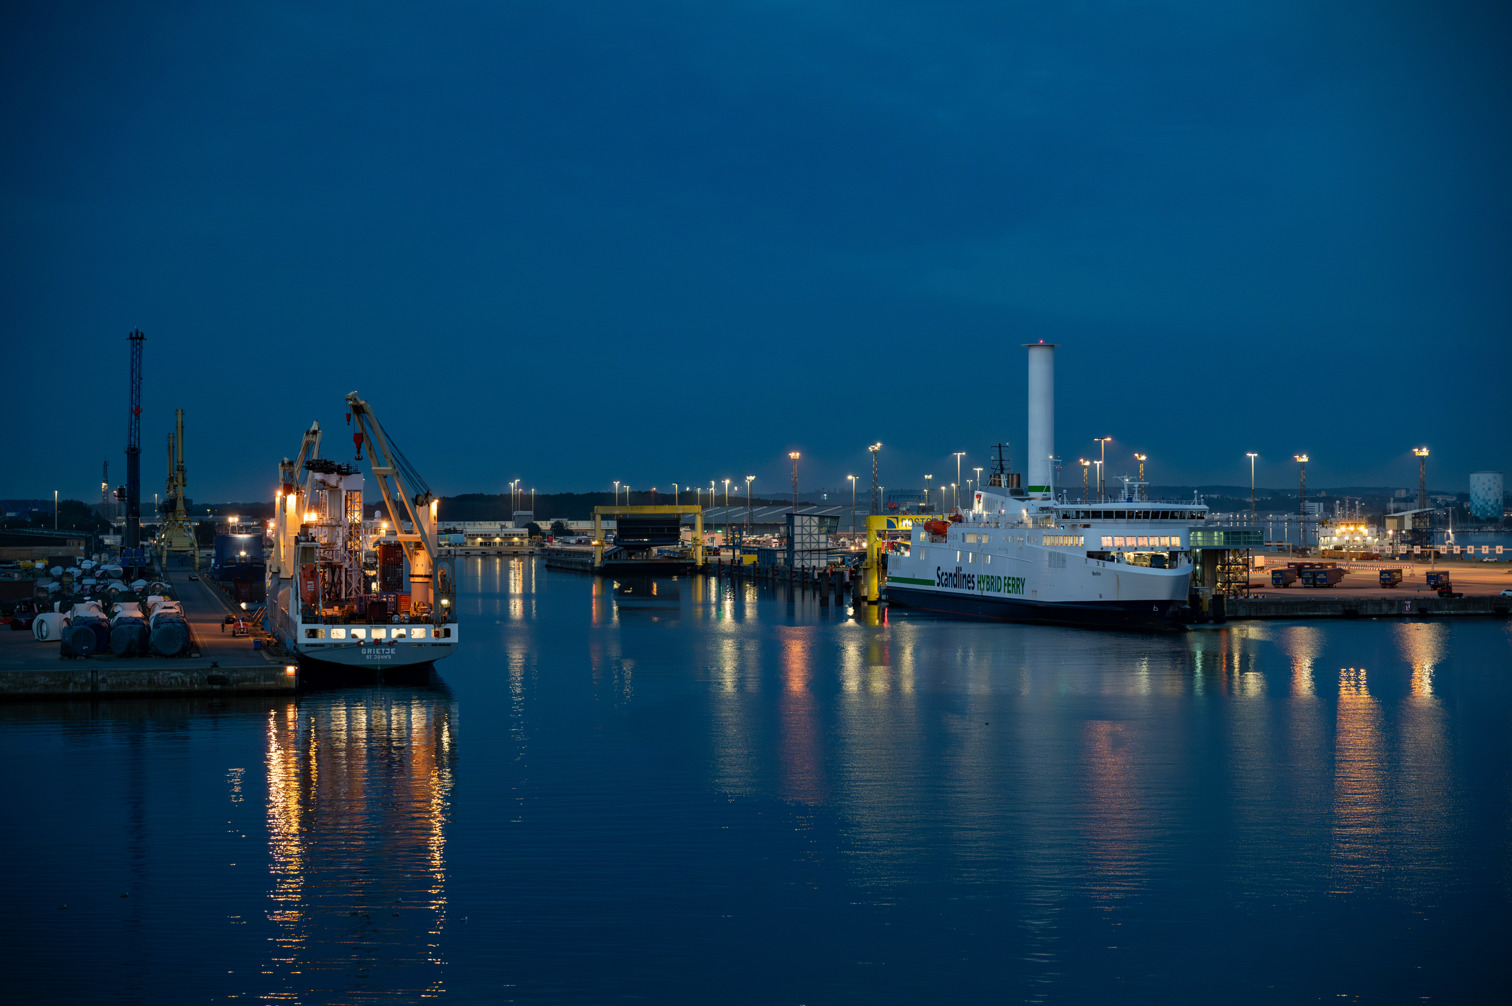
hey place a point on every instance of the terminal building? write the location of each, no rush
(1486, 495)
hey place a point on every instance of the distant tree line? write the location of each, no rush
(563, 506)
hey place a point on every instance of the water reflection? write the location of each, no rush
(1423, 771)
(359, 795)
(802, 754)
(1359, 799)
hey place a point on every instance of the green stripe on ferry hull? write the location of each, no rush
(910, 579)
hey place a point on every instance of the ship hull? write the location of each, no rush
(294, 636)
(1160, 615)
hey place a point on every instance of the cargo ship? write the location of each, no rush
(353, 590)
(1027, 554)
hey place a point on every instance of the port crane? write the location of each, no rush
(408, 501)
(133, 538)
(176, 533)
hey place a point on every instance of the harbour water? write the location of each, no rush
(725, 793)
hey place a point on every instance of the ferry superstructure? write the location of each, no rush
(1029, 555)
(352, 591)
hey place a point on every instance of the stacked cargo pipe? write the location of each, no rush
(169, 635)
(87, 631)
(129, 631)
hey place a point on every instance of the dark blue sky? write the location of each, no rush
(664, 242)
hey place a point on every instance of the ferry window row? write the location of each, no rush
(373, 632)
(1140, 541)
(1125, 515)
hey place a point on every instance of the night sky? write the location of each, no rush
(658, 242)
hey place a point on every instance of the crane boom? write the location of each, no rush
(408, 500)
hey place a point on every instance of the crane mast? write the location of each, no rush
(133, 539)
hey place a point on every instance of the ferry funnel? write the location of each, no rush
(1041, 417)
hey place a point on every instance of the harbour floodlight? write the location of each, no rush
(1252, 456)
(1102, 460)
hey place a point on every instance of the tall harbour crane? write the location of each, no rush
(175, 533)
(133, 539)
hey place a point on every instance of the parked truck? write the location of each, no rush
(1283, 577)
(1325, 576)
(1391, 577)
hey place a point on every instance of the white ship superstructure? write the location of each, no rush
(352, 591)
(1030, 555)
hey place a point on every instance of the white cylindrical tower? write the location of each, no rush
(1486, 495)
(1041, 416)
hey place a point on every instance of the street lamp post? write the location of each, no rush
(1252, 455)
(616, 492)
(1086, 465)
(1102, 486)
(853, 502)
(1141, 459)
(955, 495)
(793, 456)
(727, 496)
(55, 509)
(1302, 502)
(749, 480)
(926, 491)
(676, 493)
(958, 456)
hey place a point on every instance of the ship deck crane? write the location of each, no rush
(294, 482)
(408, 501)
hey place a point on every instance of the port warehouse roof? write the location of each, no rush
(776, 516)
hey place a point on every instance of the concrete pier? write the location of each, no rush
(218, 662)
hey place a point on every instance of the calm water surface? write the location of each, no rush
(735, 795)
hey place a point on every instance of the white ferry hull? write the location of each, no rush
(1152, 614)
(1084, 592)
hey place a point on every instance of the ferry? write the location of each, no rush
(350, 590)
(1027, 554)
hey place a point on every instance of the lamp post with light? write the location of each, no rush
(876, 502)
(1252, 455)
(749, 480)
(926, 491)
(958, 456)
(1086, 466)
(55, 509)
(1302, 502)
(1141, 458)
(853, 502)
(793, 457)
(1102, 486)
(1422, 456)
